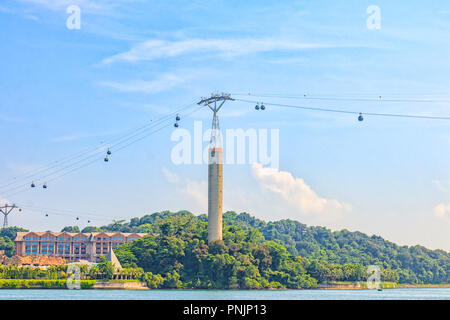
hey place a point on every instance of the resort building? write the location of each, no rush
(71, 246)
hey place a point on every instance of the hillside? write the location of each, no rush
(316, 253)
(412, 264)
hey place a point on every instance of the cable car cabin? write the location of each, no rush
(360, 117)
(263, 107)
(177, 118)
(46, 214)
(33, 185)
(176, 125)
(108, 152)
(44, 186)
(257, 107)
(106, 159)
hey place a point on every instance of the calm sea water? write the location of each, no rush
(395, 294)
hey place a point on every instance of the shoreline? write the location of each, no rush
(384, 286)
(136, 285)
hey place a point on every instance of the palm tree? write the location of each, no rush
(94, 272)
(84, 269)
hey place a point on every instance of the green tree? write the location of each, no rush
(71, 229)
(106, 268)
(172, 280)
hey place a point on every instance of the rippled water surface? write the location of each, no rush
(403, 294)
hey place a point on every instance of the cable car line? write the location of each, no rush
(378, 99)
(97, 152)
(91, 149)
(92, 161)
(349, 111)
(95, 160)
(72, 213)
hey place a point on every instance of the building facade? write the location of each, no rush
(71, 246)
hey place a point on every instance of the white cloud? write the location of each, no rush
(22, 168)
(440, 185)
(15, 12)
(81, 135)
(193, 194)
(171, 176)
(165, 82)
(279, 196)
(442, 211)
(63, 4)
(294, 194)
(6, 118)
(198, 192)
(89, 6)
(4, 201)
(156, 49)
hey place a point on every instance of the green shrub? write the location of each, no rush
(41, 284)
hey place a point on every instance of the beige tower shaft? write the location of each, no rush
(215, 180)
(215, 167)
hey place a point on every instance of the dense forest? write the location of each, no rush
(259, 254)
(317, 245)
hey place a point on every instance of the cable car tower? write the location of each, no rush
(6, 210)
(215, 169)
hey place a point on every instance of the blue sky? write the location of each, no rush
(134, 60)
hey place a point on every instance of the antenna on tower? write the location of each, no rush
(215, 167)
(6, 210)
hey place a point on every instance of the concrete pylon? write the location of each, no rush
(215, 181)
(215, 168)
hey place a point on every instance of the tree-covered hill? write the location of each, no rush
(329, 249)
(414, 264)
(317, 253)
